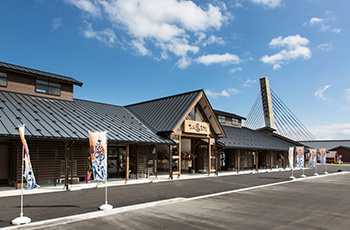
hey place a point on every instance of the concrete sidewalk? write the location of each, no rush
(11, 191)
(80, 219)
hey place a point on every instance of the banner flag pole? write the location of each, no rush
(98, 149)
(291, 161)
(21, 219)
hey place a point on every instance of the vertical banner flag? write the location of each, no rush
(323, 156)
(300, 156)
(98, 150)
(313, 158)
(28, 172)
(291, 157)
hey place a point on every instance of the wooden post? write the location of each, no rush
(256, 161)
(170, 162)
(271, 160)
(209, 156)
(37, 161)
(17, 159)
(66, 165)
(216, 157)
(179, 160)
(147, 161)
(127, 163)
(55, 170)
(137, 162)
(284, 160)
(238, 160)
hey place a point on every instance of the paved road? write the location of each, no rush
(317, 203)
(53, 205)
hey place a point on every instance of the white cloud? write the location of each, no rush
(233, 91)
(106, 36)
(295, 47)
(249, 82)
(331, 131)
(320, 92)
(140, 48)
(323, 23)
(56, 23)
(86, 6)
(347, 94)
(225, 59)
(183, 62)
(325, 46)
(233, 70)
(172, 27)
(224, 93)
(268, 3)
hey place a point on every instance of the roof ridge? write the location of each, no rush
(101, 103)
(163, 98)
(18, 68)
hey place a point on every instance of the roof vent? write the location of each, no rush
(39, 130)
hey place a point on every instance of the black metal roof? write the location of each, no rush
(60, 119)
(327, 144)
(164, 114)
(245, 138)
(39, 72)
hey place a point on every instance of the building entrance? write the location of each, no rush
(116, 161)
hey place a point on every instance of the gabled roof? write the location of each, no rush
(245, 138)
(164, 114)
(219, 112)
(327, 144)
(17, 68)
(49, 118)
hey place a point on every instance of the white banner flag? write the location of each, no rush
(98, 150)
(291, 157)
(300, 156)
(28, 171)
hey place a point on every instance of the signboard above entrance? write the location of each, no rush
(196, 127)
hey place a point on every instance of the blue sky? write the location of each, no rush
(128, 51)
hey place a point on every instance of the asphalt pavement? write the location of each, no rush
(46, 206)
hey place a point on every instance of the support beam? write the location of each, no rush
(127, 162)
(66, 165)
(284, 160)
(238, 160)
(256, 161)
(216, 157)
(271, 160)
(170, 162)
(209, 156)
(179, 160)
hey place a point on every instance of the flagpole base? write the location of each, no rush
(326, 173)
(316, 174)
(292, 177)
(303, 176)
(106, 207)
(21, 220)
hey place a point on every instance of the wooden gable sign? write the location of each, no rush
(196, 127)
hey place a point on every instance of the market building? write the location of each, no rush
(57, 128)
(170, 135)
(244, 148)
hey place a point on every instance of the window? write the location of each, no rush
(48, 87)
(3, 79)
(235, 121)
(222, 119)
